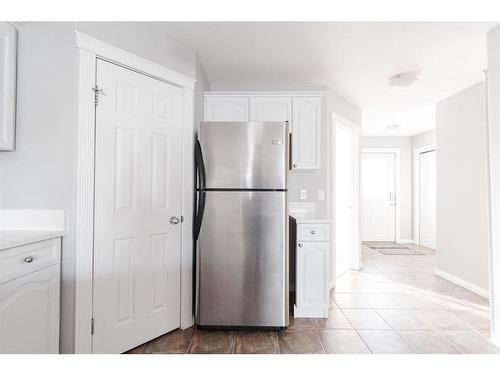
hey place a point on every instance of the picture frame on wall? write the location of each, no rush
(8, 62)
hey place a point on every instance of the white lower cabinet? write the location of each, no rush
(312, 275)
(29, 301)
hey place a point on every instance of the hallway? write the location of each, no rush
(394, 305)
(397, 305)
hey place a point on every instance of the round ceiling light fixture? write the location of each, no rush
(393, 127)
(403, 79)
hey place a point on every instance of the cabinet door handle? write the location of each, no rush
(300, 245)
(313, 232)
(28, 259)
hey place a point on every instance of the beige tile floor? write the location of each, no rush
(395, 304)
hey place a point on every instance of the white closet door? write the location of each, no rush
(378, 198)
(427, 199)
(137, 190)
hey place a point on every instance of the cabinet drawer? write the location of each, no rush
(313, 232)
(22, 260)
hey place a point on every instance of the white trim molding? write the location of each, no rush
(107, 51)
(463, 283)
(397, 153)
(89, 49)
(416, 189)
(340, 121)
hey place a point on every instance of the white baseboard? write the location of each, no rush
(461, 282)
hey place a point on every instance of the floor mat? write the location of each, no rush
(391, 248)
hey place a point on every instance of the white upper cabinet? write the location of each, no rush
(269, 108)
(306, 132)
(301, 110)
(226, 108)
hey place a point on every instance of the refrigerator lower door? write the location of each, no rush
(243, 260)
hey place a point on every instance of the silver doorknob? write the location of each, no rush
(174, 220)
(28, 259)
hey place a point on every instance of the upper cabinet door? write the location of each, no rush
(306, 132)
(8, 40)
(269, 108)
(226, 108)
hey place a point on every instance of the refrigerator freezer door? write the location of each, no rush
(245, 155)
(243, 253)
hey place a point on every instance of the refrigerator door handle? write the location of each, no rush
(200, 201)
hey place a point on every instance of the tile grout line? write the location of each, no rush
(319, 339)
(190, 341)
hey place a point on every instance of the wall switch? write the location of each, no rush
(321, 195)
(303, 194)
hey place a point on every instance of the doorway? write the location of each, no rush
(347, 254)
(424, 165)
(378, 195)
(344, 196)
(138, 194)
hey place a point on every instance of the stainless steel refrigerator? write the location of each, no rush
(241, 224)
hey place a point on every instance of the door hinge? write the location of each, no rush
(97, 91)
(92, 326)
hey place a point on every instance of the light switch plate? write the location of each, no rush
(321, 195)
(303, 194)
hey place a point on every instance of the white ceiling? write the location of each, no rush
(354, 59)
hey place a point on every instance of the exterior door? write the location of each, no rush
(378, 198)
(137, 190)
(427, 199)
(344, 200)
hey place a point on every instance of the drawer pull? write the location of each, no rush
(313, 232)
(28, 259)
(300, 245)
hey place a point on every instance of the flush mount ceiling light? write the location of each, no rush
(393, 127)
(403, 79)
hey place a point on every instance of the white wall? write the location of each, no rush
(424, 139)
(462, 186)
(494, 158)
(40, 174)
(404, 144)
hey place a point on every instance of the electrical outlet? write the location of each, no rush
(303, 194)
(321, 195)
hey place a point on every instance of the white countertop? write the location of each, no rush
(309, 218)
(18, 237)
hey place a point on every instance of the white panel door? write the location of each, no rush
(427, 199)
(378, 198)
(29, 313)
(306, 132)
(137, 190)
(271, 108)
(226, 108)
(344, 200)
